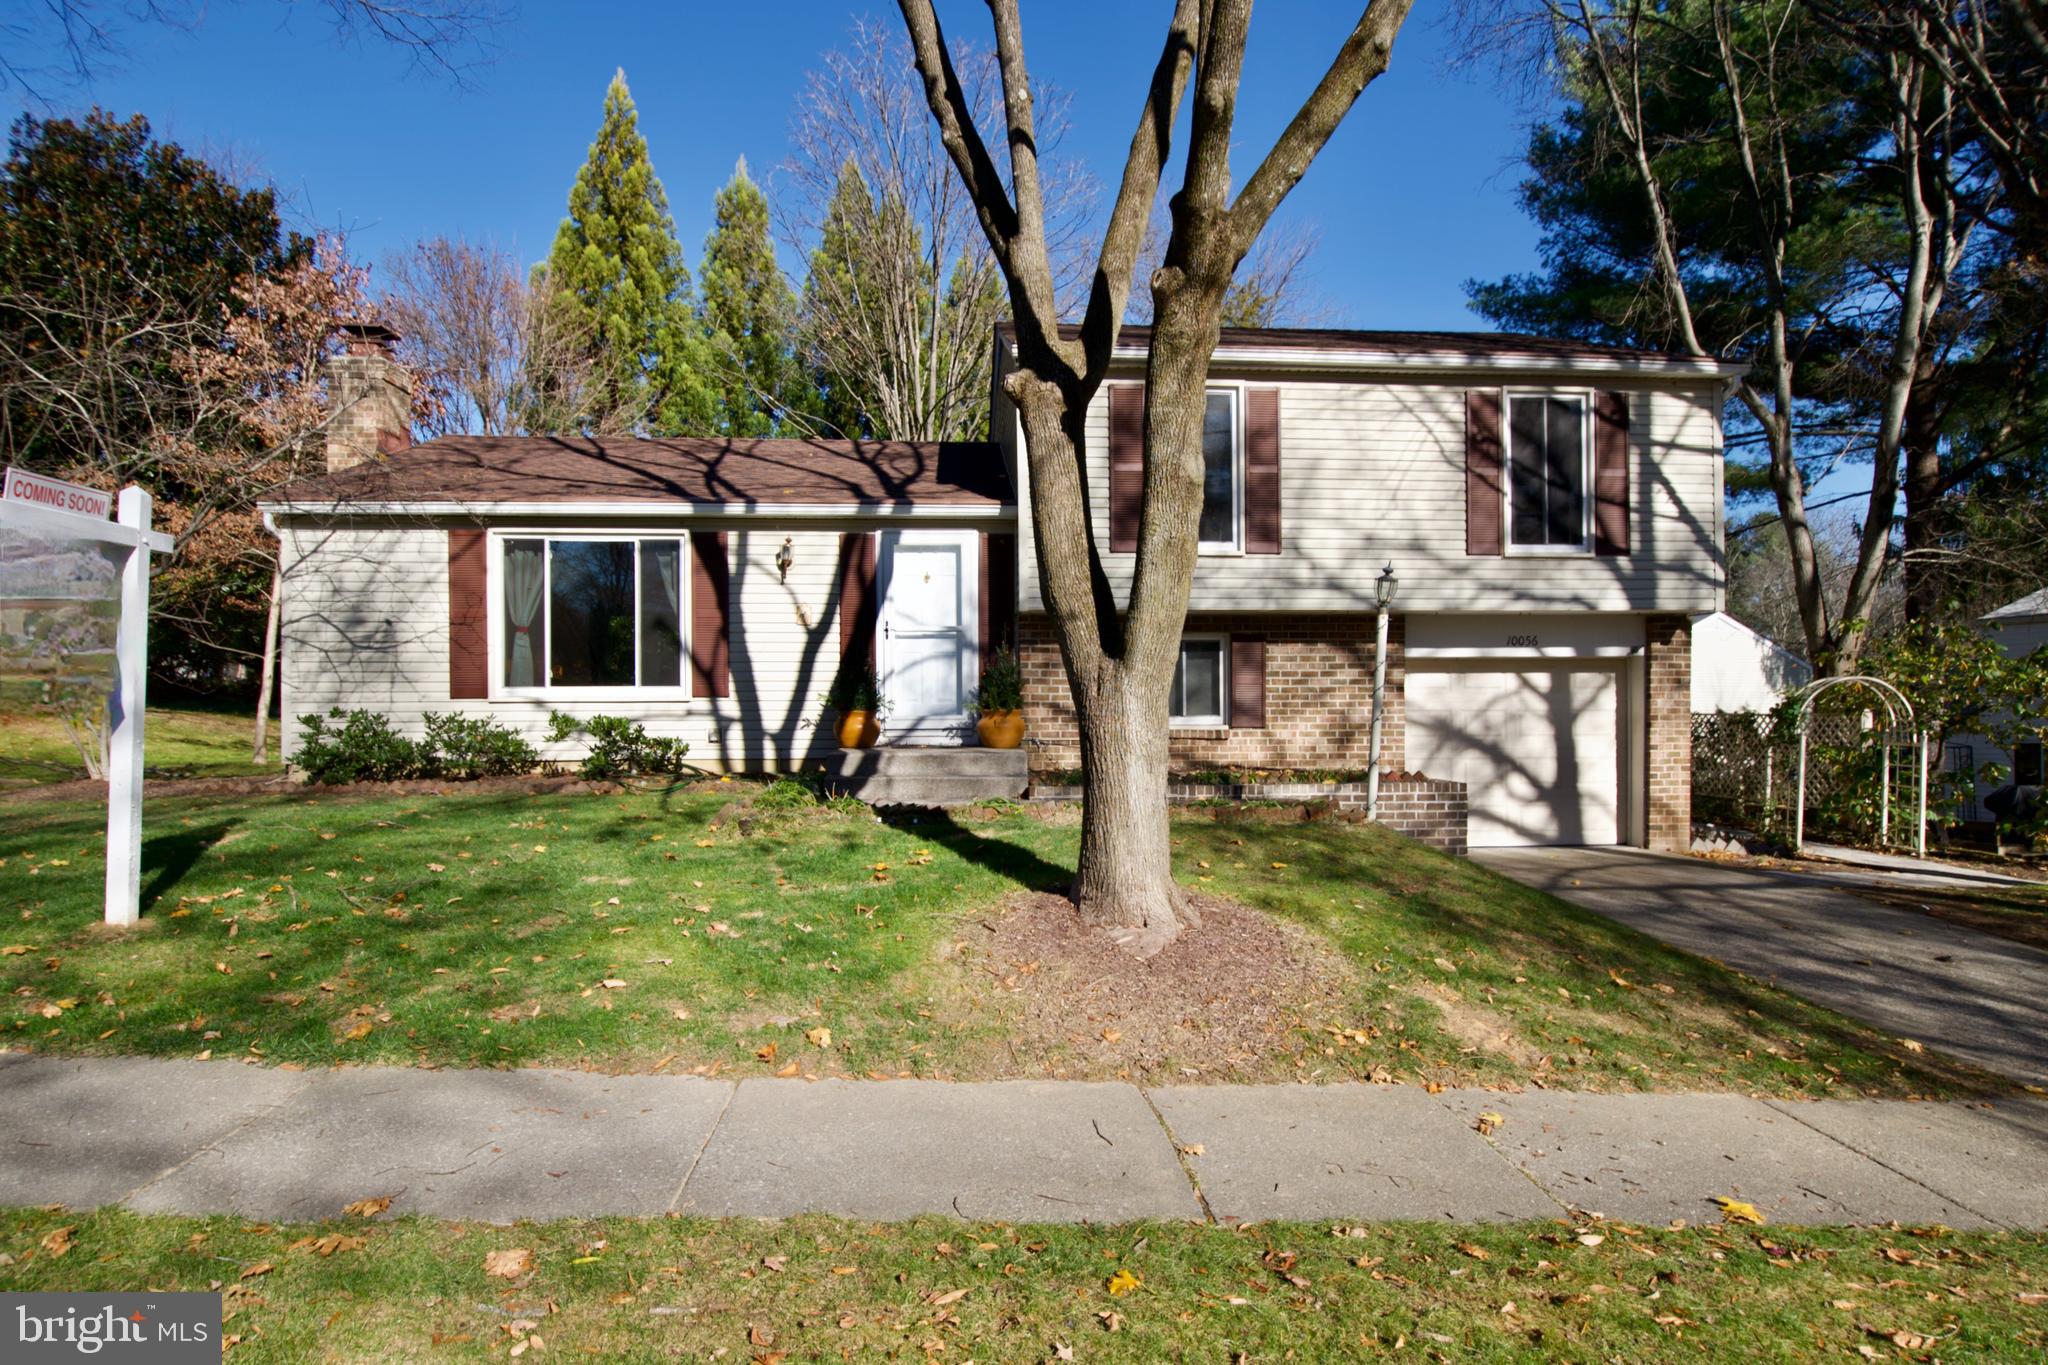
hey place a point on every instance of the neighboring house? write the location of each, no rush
(1736, 669)
(2020, 627)
(1553, 511)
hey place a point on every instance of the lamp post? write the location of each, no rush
(1383, 589)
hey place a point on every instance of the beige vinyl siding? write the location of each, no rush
(366, 624)
(1373, 470)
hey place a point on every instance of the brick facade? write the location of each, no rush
(1318, 696)
(1427, 809)
(1669, 652)
(372, 397)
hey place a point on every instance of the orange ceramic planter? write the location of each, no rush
(1000, 729)
(859, 730)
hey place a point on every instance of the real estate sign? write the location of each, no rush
(56, 495)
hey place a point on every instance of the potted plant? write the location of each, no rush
(856, 697)
(999, 704)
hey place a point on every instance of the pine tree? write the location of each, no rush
(749, 314)
(618, 264)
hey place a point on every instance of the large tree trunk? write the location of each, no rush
(1923, 498)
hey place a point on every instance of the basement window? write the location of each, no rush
(1201, 684)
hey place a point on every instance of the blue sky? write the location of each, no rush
(1413, 196)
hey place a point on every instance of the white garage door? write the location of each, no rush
(1536, 748)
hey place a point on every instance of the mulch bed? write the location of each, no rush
(1233, 1000)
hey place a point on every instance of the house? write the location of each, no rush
(1736, 669)
(2020, 627)
(1552, 509)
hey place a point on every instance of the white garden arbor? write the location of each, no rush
(43, 509)
(1900, 732)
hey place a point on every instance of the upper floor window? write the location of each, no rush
(1222, 472)
(592, 612)
(1548, 457)
(1201, 684)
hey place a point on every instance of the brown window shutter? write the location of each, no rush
(857, 604)
(998, 617)
(1262, 471)
(1126, 464)
(469, 649)
(1247, 682)
(710, 615)
(1610, 474)
(1482, 472)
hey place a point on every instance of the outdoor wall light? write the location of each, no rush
(1383, 590)
(785, 557)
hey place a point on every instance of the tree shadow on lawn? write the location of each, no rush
(1011, 861)
(1422, 905)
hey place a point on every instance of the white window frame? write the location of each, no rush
(1584, 397)
(495, 601)
(1235, 545)
(1220, 721)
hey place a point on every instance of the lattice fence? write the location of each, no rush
(1745, 771)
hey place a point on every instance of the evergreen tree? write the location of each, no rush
(620, 271)
(749, 314)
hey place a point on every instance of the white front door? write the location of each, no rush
(928, 652)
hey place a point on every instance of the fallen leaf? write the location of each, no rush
(1191, 1149)
(1590, 1239)
(360, 1031)
(368, 1208)
(950, 1296)
(766, 1052)
(1737, 1211)
(1124, 1281)
(1475, 1251)
(775, 1263)
(1487, 1122)
(57, 1241)
(509, 1264)
(1911, 1046)
(17, 949)
(1110, 1035)
(818, 1037)
(260, 1268)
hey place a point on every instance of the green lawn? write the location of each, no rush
(178, 742)
(677, 931)
(812, 1288)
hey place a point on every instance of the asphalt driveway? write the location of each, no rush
(1974, 996)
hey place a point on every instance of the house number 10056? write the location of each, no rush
(1522, 642)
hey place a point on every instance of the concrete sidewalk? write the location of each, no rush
(220, 1137)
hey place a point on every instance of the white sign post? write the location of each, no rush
(52, 508)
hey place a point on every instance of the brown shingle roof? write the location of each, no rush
(538, 469)
(1396, 343)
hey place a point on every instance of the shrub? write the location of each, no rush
(1002, 685)
(474, 746)
(363, 748)
(619, 747)
(856, 688)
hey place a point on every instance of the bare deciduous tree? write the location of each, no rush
(1120, 656)
(1272, 287)
(501, 353)
(63, 42)
(902, 293)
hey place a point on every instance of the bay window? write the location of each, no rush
(596, 612)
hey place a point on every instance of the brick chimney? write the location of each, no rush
(372, 397)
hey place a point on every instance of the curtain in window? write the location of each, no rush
(661, 636)
(524, 582)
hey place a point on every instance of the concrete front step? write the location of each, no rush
(927, 776)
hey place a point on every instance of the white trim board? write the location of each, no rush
(568, 508)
